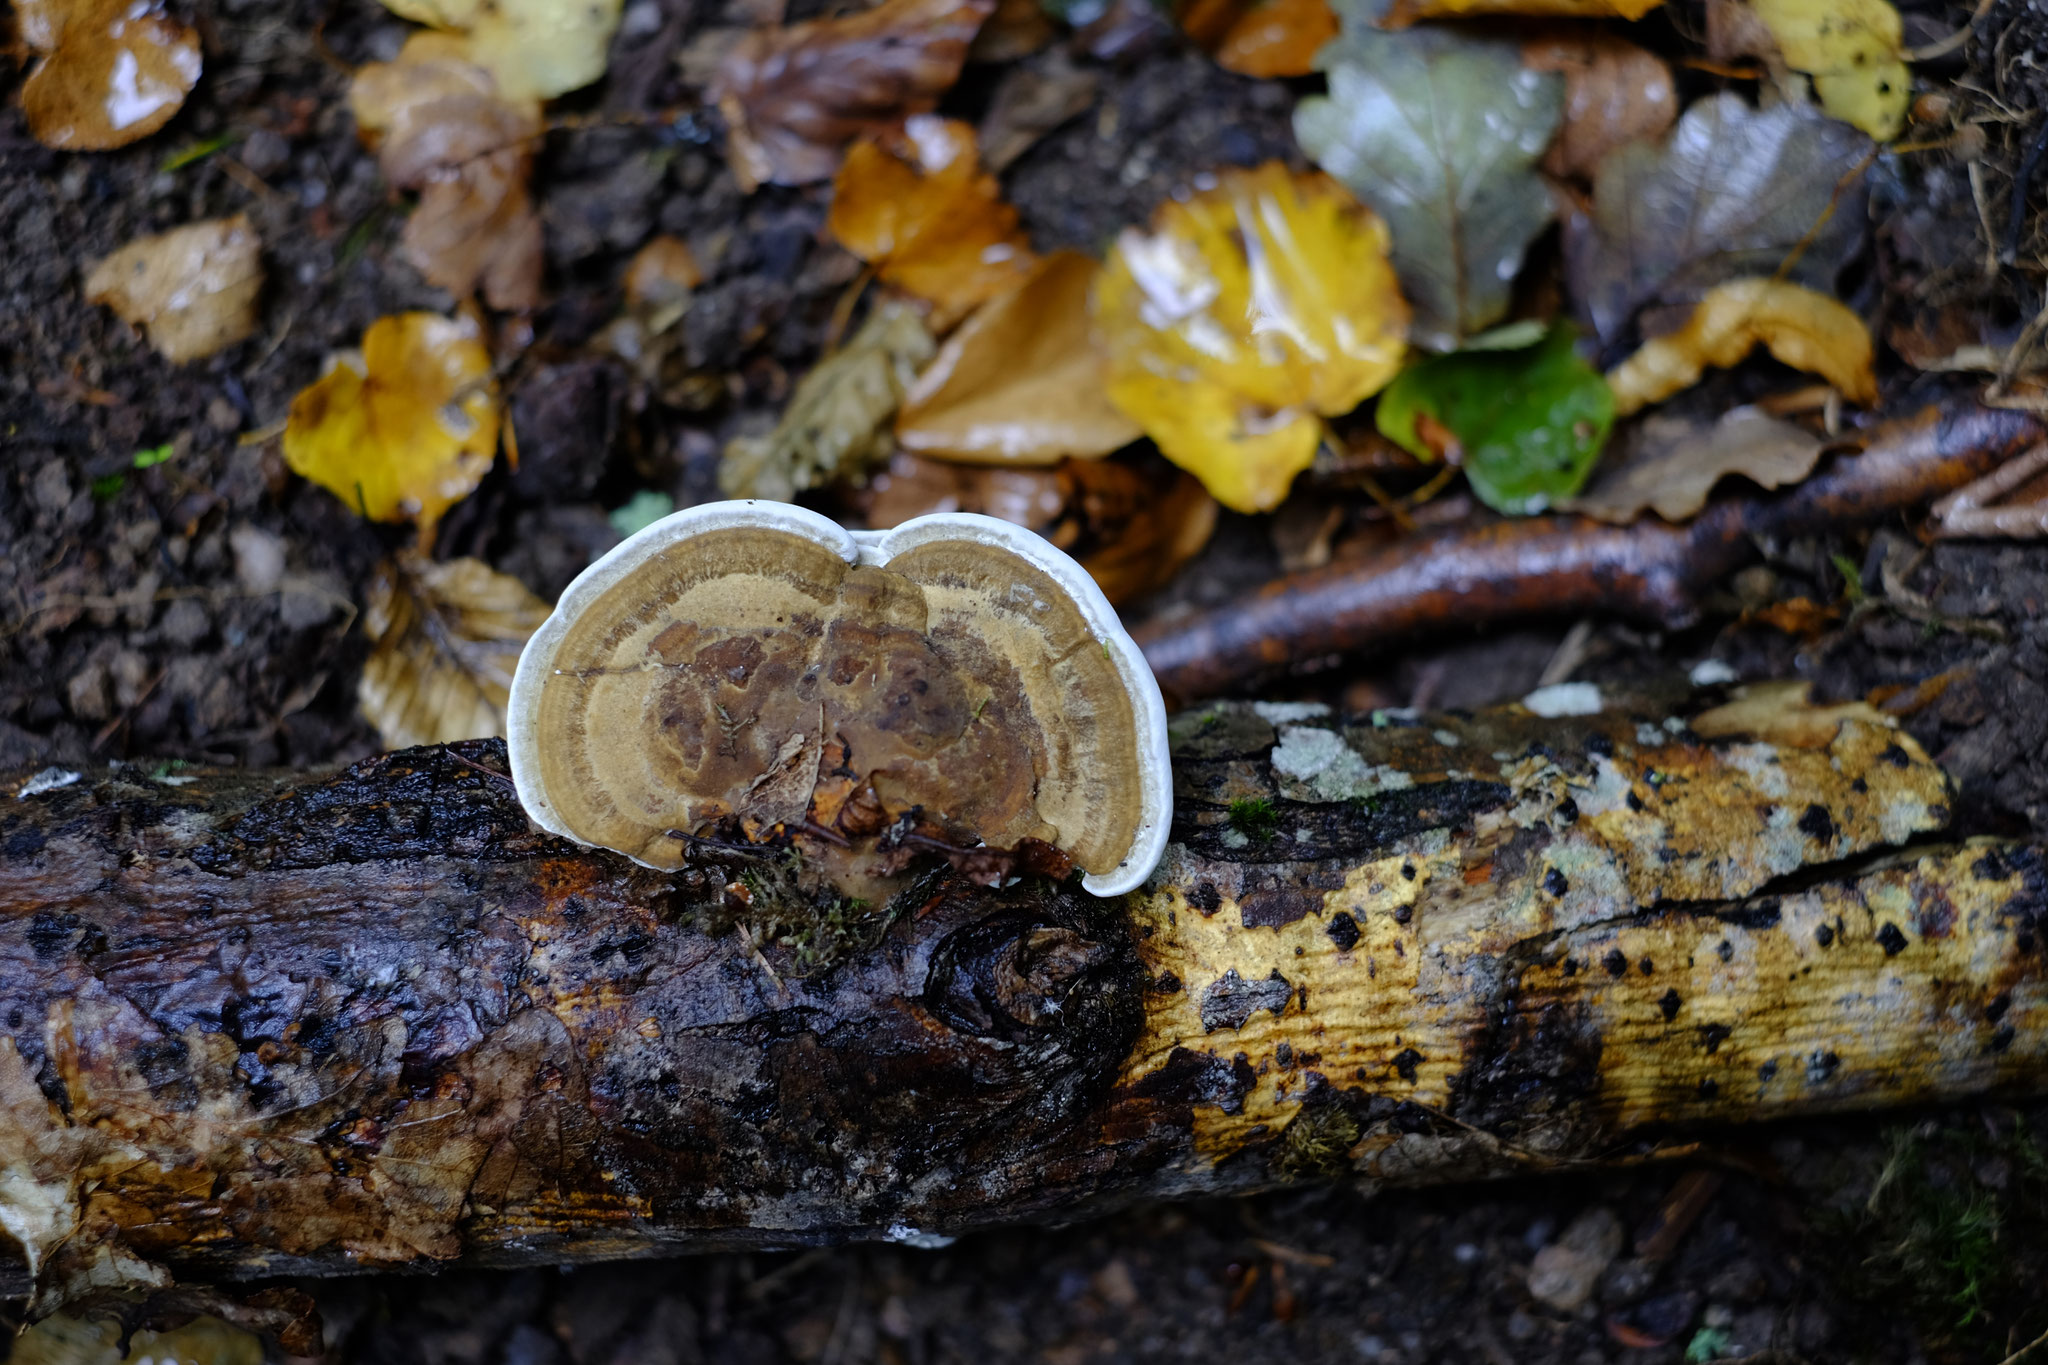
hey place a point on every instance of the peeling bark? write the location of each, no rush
(261, 1023)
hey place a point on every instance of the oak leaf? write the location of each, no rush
(1020, 381)
(441, 124)
(192, 291)
(1247, 311)
(1440, 133)
(445, 638)
(1804, 329)
(534, 49)
(403, 428)
(794, 97)
(109, 71)
(1671, 465)
(928, 218)
(1614, 93)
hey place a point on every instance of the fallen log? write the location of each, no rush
(259, 1023)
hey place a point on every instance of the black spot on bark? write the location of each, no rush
(1816, 824)
(1709, 1088)
(1825, 936)
(1995, 1011)
(1635, 803)
(1768, 1071)
(1820, 1066)
(24, 843)
(1205, 898)
(1404, 1063)
(1567, 811)
(1669, 1003)
(1725, 951)
(1166, 984)
(1646, 967)
(1896, 756)
(1231, 1000)
(1712, 1036)
(50, 934)
(2001, 1040)
(1892, 940)
(1408, 871)
(1343, 931)
(1762, 915)
(1615, 963)
(1554, 882)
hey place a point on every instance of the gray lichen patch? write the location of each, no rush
(1314, 764)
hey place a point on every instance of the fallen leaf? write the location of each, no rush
(1030, 101)
(65, 1340)
(928, 218)
(1405, 12)
(2012, 500)
(110, 71)
(1733, 191)
(1277, 38)
(1017, 29)
(1783, 713)
(444, 639)
(403, 428)
(192, 291)
(1853, 49)
(534, 49)
(1439, 132)
(794, 97)
(1804, 329)
(441, 125)
(659, 280)
(837, 423)
(1245, 312)
(1614, 93)
(1673, 465)
(1525, 424)
(1020, 381)
(1131, 529)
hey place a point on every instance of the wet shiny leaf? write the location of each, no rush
(192, 291)
(109, 71)
(534, 49)
(1804, 329)
(1277, 38)
(403, 428)
(1440, 132)
(1526, 425)
(445, 638)
(1670, 465)
(1243, 314)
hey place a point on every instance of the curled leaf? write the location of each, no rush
(1020, 381)
(1614, 93)
(929, 219)
(794, 97)
(1853, 49)
(1405, 12)
(403, 428)
(1805, 330)
(1277, 38)
(1673, 465)
(837, 423)
(1245, 312)
(191, 291)
(1525, 424)
(109, 71)
(534, 49)
(445, 638)
(441, 125)
(1440, 133)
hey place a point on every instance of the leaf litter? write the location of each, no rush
(444, 639)
(191, 291)
(1800, 327)
(1671, 465)
(109, 72)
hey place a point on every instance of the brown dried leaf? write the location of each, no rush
(444, 641)
(1019, 382)
(1614, 93)
(1017, 29)
(440, 125)
(794, 97)
(1030, 101)
(1673, 465)
(191, 291)
(2012, 500)
(112, 71)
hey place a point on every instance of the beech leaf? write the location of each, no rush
(191, 291)
(1525, 425)
(1439, 132)
(1614, 93)
(1020, 381)
(445, 638)
(1247, 310)
(1672, 465)
(1853, 49)
(1733, 191)
(1806, 330)
(110, 71)
(534, 49)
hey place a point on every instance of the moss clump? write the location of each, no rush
(777, 903)
(1317, 1144)
(1254, 817)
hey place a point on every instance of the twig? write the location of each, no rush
(2016, 213)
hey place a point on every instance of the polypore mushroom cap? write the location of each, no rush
(755, 668)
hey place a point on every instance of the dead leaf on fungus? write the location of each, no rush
(535, 49)
(794, 97)
(444, 640)
(1853, 49)
(928, 218)
(1804, 329)
(1405, 12)
(1019, 382)
(1245, 312)
(2012, 500)
(440, 125)
(191, 291)
(111, 71)
(837, 423)
(1614, 93)
(1671, 465)
(1277, 39)
(403, 428)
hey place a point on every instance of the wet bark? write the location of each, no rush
(259, 1023)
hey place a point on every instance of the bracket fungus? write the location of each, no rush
(752, 673)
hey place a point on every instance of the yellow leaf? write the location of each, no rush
(929, 219)
(1854, 50)
(1020, 381)
(1277, 38)
(1244, 313)
(1806, 330)
(404, 428)
(111, 71)
(192, 290)
(536, 49)
(445, 639)
(1406, 12)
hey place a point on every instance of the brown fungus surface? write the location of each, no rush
(759, 683)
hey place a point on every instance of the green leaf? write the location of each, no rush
(1528, 424)
(1439, 131)
(198, 151)
(107, 487)
(155, 455)
(641, 511)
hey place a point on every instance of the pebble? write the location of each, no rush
(259, 558)
(185, 622)
(265, 152)
(1564, 1273)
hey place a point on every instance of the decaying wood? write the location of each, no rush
(259, 1023)
(1557, 566)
